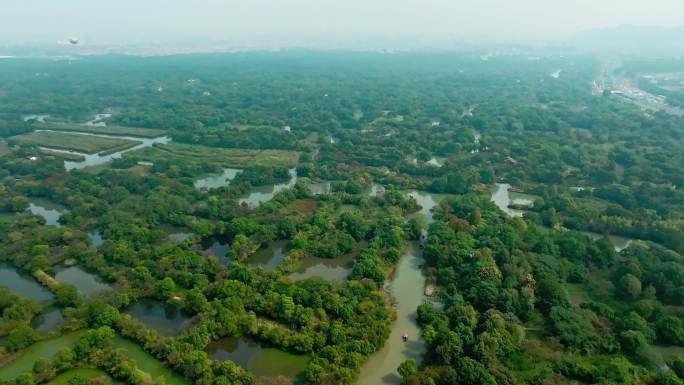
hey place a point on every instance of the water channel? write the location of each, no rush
(407, 291)
(502, 198)
(102, 158)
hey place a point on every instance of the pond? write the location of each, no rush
(84, 281)
(270, 257)
(47, 321)
(23, 284)
(167, 319)
(320, 187)
(179, 236)
(98, 159)
(216, 246)
(436, 161)
(217, 180)
(253, 356)
(375, 189)
(337, 269)
(264, 193)
(95, 237)
(502, 198)
(37, 117)
(619, 243)
(49, 211)
(427, 202)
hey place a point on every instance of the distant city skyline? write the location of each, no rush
(322, 20)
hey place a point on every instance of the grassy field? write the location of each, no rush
(147, 363)
(107, 130)
(57, 154)
(227, 157)
(47, 349)
(40, 350)
(86, 373)
(63, 141)
(4, 150)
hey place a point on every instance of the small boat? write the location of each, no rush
(405, 337)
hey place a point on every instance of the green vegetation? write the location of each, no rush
(225, 157)
(524, 300)
(82, 143)
(105, 130)
(43, 350)
(84, 373)
(148, 364)
(274, 363)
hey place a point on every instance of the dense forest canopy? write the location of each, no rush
(271, 200)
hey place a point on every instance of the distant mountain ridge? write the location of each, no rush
(632, 39)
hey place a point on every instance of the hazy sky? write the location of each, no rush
(225, 19)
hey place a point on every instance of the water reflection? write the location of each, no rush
(47, 321)
(51, 215)
(179, 237)
(270, 257)
(436, 161)
(375, 189)
(167, 319)
(95, 237)
(265, 193)
(619, 243)
(322, 187)
(503, 198)
(23, 284)
(253, 356)
(85, 282)
(218, 180)
(336, 269)
(101, 158)
(407, 290)
(216, 246)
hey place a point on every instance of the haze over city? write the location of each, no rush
(322, 20)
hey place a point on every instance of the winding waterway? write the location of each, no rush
(502, 198)
(407, 291)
